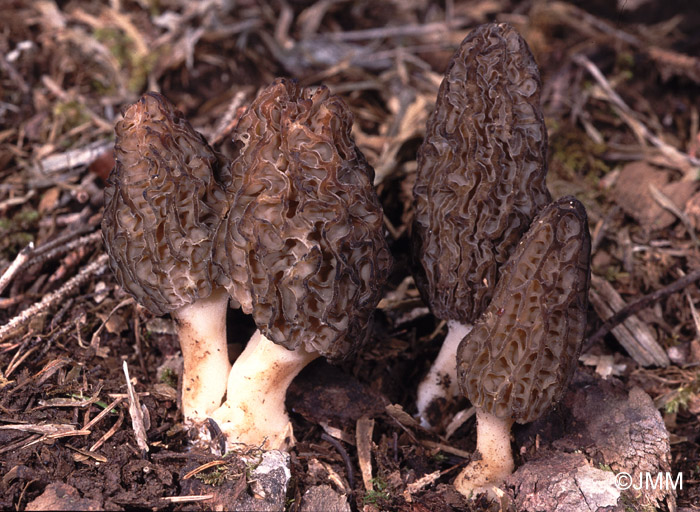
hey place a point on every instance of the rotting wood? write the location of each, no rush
(633, 334)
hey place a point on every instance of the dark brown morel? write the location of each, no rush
(519, 358)
(163, 205)
(481, 171)
(304, 248)
(480, 181)
(304, 243)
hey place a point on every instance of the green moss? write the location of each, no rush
(439, 457)
(377, 493)
(69, 114)
(215, 476)
(613, 273)
(122, 47)
(574, 154)
(681, 396)
(624, 64)
(253, 465)
(169, 377)
(679, 400)
(17, 232)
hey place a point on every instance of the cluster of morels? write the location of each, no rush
(506, 267)
(291, 231)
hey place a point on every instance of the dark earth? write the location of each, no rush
(620, 97)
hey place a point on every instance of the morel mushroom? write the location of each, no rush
(517, 361)
(303, 247)
(163, 203)
(480, 181)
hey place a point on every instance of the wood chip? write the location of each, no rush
(363, 435)
(634, 335)
(405, 419)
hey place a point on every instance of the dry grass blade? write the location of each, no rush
(103, 413)
(19, 444)
(136, 413)
(48, 429)
(667, 203)
(459, 419)
(446, 448)
(204, 467)
(670, 62)
(694, 312)
(425, 481)
(50, 369)
(64, 245)
(19, 357)
(95, 340)
(16, 201)
(84, 455)
(110, 432)
(188, 499)
(66, 402)
(675, 158)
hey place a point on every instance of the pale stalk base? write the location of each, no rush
(254, 413)
(496, 463)
(441, 380)
(202, 333)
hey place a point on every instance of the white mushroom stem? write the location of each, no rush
(202, 332)
(494, 458)
(254, 412)
(441, 381)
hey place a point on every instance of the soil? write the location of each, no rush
(67, 70)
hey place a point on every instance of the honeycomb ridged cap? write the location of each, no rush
(303, 244)
(519, 357)
(163, 204)
(481, 172)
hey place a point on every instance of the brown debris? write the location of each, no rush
(633, 192)
(609, 432)
(59, 496)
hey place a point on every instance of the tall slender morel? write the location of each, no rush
(519, 358)
(480, 182)
(163, 204)
(304, 249)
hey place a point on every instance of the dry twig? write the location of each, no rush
(95, 268)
